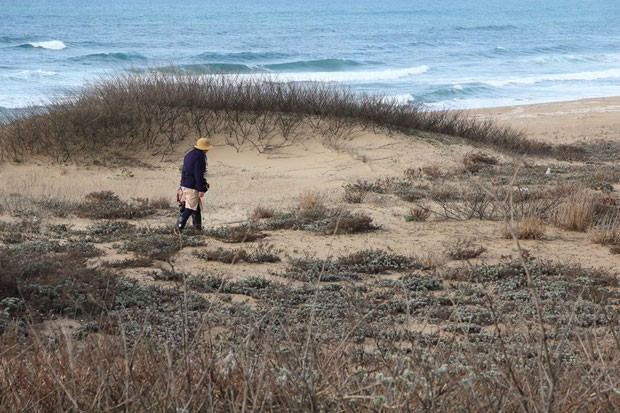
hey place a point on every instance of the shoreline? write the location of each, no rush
(584, 120)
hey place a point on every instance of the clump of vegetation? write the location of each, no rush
(421, 282)
(350, 267)
(464, 249)
(110, 228)
(531, 227)
(474, 162)
(162, 203)
(606, 231)
(469, 202)
(576, 213)
(260, 254)
(236, 234)
(57, 208)
(311, 200)
(354, 194)
(46, 277)
(155, 246)
(107, 205)
(261, 212)
(322, 220)
(417, 214)
(129, 263)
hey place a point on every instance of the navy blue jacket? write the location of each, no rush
(193, 173)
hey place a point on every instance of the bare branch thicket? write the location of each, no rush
(463, 204)
(111, 113)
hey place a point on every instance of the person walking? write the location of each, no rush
(193, 184)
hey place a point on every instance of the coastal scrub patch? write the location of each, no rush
(260, 254)
(464, 249)
(236, 234)
(349, 267)
(107, 205)
(322, 220)
(155, 246)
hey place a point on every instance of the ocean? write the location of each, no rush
(443, 53)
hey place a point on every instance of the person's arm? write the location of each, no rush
(199, 173)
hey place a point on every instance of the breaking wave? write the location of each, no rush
(49, 45)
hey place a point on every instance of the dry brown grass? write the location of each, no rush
(261, 212)
(159, 203)
(576, 213)
(531, 227)
(474, 162)
(606, 231)
(418, 214)
(310, 200)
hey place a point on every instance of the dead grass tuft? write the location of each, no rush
(261, 212)
(417, 214)
(606, 231)
(159, 203)
(474, 162)
(576, 213)
(311, 200)
(531, 227)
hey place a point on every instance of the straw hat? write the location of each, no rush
(203, 144)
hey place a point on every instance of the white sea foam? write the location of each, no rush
(29, 74)
(50, 45)
(366, 76)
(403, 99)
(571, 58)
(549, 77)
(457, 87)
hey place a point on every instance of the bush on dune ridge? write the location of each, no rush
(153, 110)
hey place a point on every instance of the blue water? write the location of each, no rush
(446, 53)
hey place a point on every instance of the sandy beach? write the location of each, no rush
(586, 120)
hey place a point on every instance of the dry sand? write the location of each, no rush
(586, 120)
(242, 181)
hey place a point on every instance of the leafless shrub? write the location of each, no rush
(354, 194)
(542, 203)
(150, 111)
(444, 192)
(466, 203)
(335, 132)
